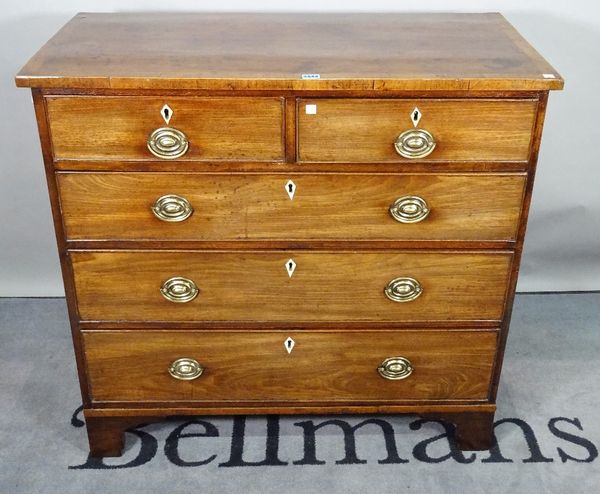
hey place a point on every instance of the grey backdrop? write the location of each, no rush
(562, 251)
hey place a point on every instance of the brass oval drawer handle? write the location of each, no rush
(395, 368)
(185, 369)
(172, 208)
(179, 289)
(414, 143)
(409, 209)
(168, 143)
(403, 289)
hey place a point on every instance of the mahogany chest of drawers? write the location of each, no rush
(289, 213)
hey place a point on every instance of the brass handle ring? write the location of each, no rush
(185, 369)
(179, 290)
(403, 289)
(409, 209)
(168, 143)
(415, 143)
(395, 368)
(172, 208)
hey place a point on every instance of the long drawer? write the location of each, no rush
(371, 130)
(257, 367)
(167, 206)
(210, 128)
(290, 285)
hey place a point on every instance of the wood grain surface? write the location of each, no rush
(256, 367)
(351, 130)
(234, 129)
(325, 286)
(104, 206)
(272, 51)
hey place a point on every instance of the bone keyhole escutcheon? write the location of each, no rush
(290, 188)
(289, 344)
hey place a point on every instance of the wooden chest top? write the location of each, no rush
(463, 52)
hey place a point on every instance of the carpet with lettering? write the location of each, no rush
(547, 426)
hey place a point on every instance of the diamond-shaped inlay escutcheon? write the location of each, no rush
(290, 188)
(289, 344)
(166, 112)
(415, 116)
(290, 267)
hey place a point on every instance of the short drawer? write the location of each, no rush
(120, 127)
(255, 367)
(165, 206)
(371, 130)
(290, 285)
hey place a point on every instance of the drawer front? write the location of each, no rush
(132, 206)
(257, 286)
(351, 130)
(101, 128)
(256, 367)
